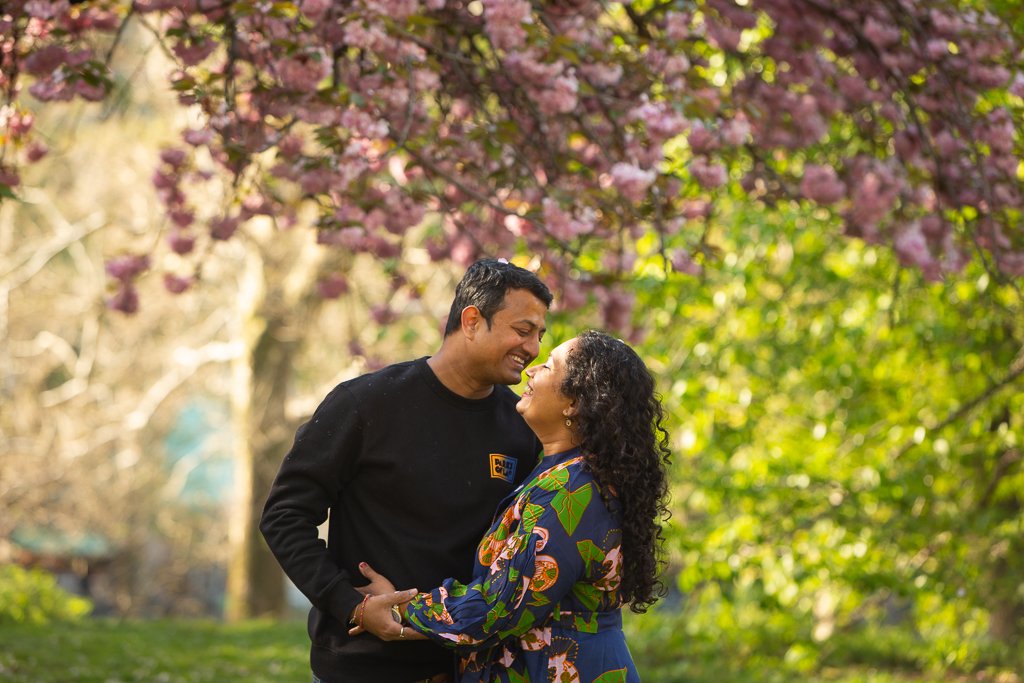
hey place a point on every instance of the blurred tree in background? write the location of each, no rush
(849, 484)
(805, 213)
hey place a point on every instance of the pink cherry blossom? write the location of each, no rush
(545, 126)
(397, 9)
(881, 34)
(677, 25)
(175, 158)
(504, 21)
(52, 90)
(332, 286)
(45, 60)
(35, 151)
(181, 217)
(702, 140)
(223, 228)
(736, 131)
(314, 9)
(176, 284)
(181, 243)
(303, 72)
(197, 137)
(560, 97)
(660, 119)
(562, 224)
(127, 267)
(125, 299)
(632, 182)
(708, 175)
(602, 75)
(9, 177)
(194, 51)
(383, 314)
(821, 184)
(682, 262)
(616, 308)
(46, 9)
(1012, 263)
(912, 249)
(94, 92)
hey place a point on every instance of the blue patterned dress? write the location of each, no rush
(543, 604)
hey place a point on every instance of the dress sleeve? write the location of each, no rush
(311, 478)
(531, 560)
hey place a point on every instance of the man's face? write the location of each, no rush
(501, 353)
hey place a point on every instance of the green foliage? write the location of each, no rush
(32, 596)
(102, 651)
(847, 460)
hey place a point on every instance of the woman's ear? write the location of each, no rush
(571, 410)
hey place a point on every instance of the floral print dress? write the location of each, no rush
(543, 604)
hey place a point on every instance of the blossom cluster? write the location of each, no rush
(564, 126)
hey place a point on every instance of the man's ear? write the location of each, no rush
(471, 321)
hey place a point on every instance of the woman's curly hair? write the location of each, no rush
(619, 426)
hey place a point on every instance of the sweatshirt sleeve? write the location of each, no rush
(533, 559)
(311, 478)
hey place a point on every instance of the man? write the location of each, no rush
(410, 463)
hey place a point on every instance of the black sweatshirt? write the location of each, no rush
(411, 474)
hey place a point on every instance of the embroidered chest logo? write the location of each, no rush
(503, 467)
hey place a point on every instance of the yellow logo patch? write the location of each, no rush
(503, 467)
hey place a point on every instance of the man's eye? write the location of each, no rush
(522, 333)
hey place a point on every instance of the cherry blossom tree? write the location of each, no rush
(605, 139)
(601, 137)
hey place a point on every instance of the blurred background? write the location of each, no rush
(847, 482)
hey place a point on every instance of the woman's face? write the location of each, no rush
(543, 404)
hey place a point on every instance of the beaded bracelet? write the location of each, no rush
(362, 610)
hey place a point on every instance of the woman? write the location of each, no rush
(577, 541)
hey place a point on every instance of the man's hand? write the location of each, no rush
(379, 584)
(377, 617)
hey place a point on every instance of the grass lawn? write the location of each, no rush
(182, 651)
(108, 651)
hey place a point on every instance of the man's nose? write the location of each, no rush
(533, 346)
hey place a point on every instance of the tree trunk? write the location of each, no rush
(255, 581)
(1006, 613)
(275, 298)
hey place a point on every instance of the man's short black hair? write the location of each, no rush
(485, 285)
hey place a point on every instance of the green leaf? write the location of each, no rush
(514, 677)
(526, 620)
(588, 595)
(497, 612)
(585, 625)
(531, 513)
(614, 676)
(589, 551)
(553, 480)
(570, 506)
